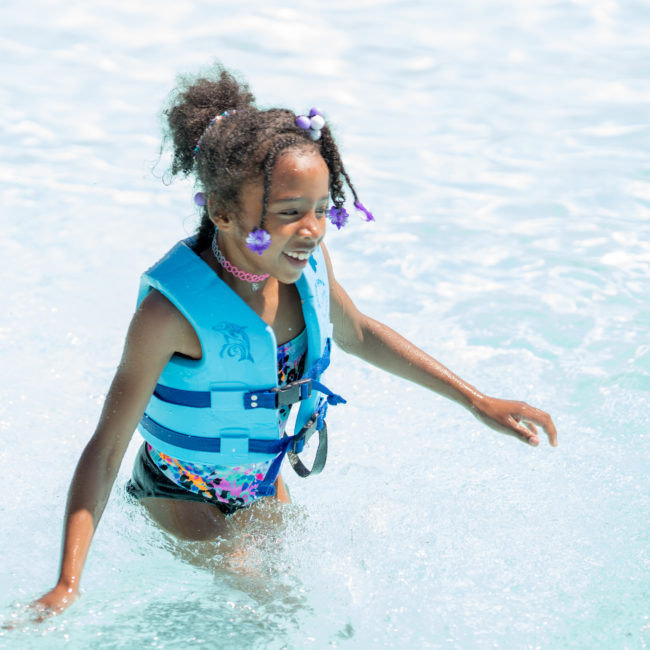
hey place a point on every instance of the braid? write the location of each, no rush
(332, 157)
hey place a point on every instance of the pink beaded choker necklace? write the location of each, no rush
(251, 278)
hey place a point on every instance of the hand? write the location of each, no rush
(515, 419)
(54, 602)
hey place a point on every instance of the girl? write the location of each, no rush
(233, 326)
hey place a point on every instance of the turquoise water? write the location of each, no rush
(503, 147)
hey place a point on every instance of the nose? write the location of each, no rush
(311, 226)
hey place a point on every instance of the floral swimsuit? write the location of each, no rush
(235, 486)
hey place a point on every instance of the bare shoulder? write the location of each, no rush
(157, 332)
(328, 260)
(156, 306)
(334, 285)
(337, 293)
(158, 327)
(346, 318)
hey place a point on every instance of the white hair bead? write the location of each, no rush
(317, 122)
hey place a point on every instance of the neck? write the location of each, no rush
(228, 270)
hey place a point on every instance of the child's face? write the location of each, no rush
(295, 216)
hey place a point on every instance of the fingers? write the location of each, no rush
(549, 427)
(42, 612)
(534, 438)
(517, 418)
(532, 415)
(525, 431)
(26, 615)
(531, 426)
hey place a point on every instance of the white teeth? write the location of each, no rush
(299, 256)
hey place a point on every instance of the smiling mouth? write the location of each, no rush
(301, 256)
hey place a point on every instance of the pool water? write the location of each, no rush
(503, 148)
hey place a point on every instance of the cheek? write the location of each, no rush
(241, 229)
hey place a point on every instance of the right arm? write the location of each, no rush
(157, 331)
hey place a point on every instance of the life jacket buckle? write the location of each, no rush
(294, 392)
(279, 396)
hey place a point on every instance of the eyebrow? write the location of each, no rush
(295, 199)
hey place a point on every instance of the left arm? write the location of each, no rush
(381, 346)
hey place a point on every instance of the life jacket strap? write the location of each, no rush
(320, 458)
(292, 446)
(289, 446)
(225, 444)
(272, 398)
(194, 398)
(332, 398)
(292, 393)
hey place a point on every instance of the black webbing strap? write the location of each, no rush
(321, 453)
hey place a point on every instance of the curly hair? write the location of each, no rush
(241, 147)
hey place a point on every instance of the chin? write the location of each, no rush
(289, 277)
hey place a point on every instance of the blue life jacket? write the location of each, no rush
(222, 409)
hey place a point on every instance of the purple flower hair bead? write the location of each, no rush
(199, 199)
(338, 216)
(258, 240)
(362, 208)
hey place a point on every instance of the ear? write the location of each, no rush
(221, 217)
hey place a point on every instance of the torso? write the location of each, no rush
(278, 305)
(235, 485)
